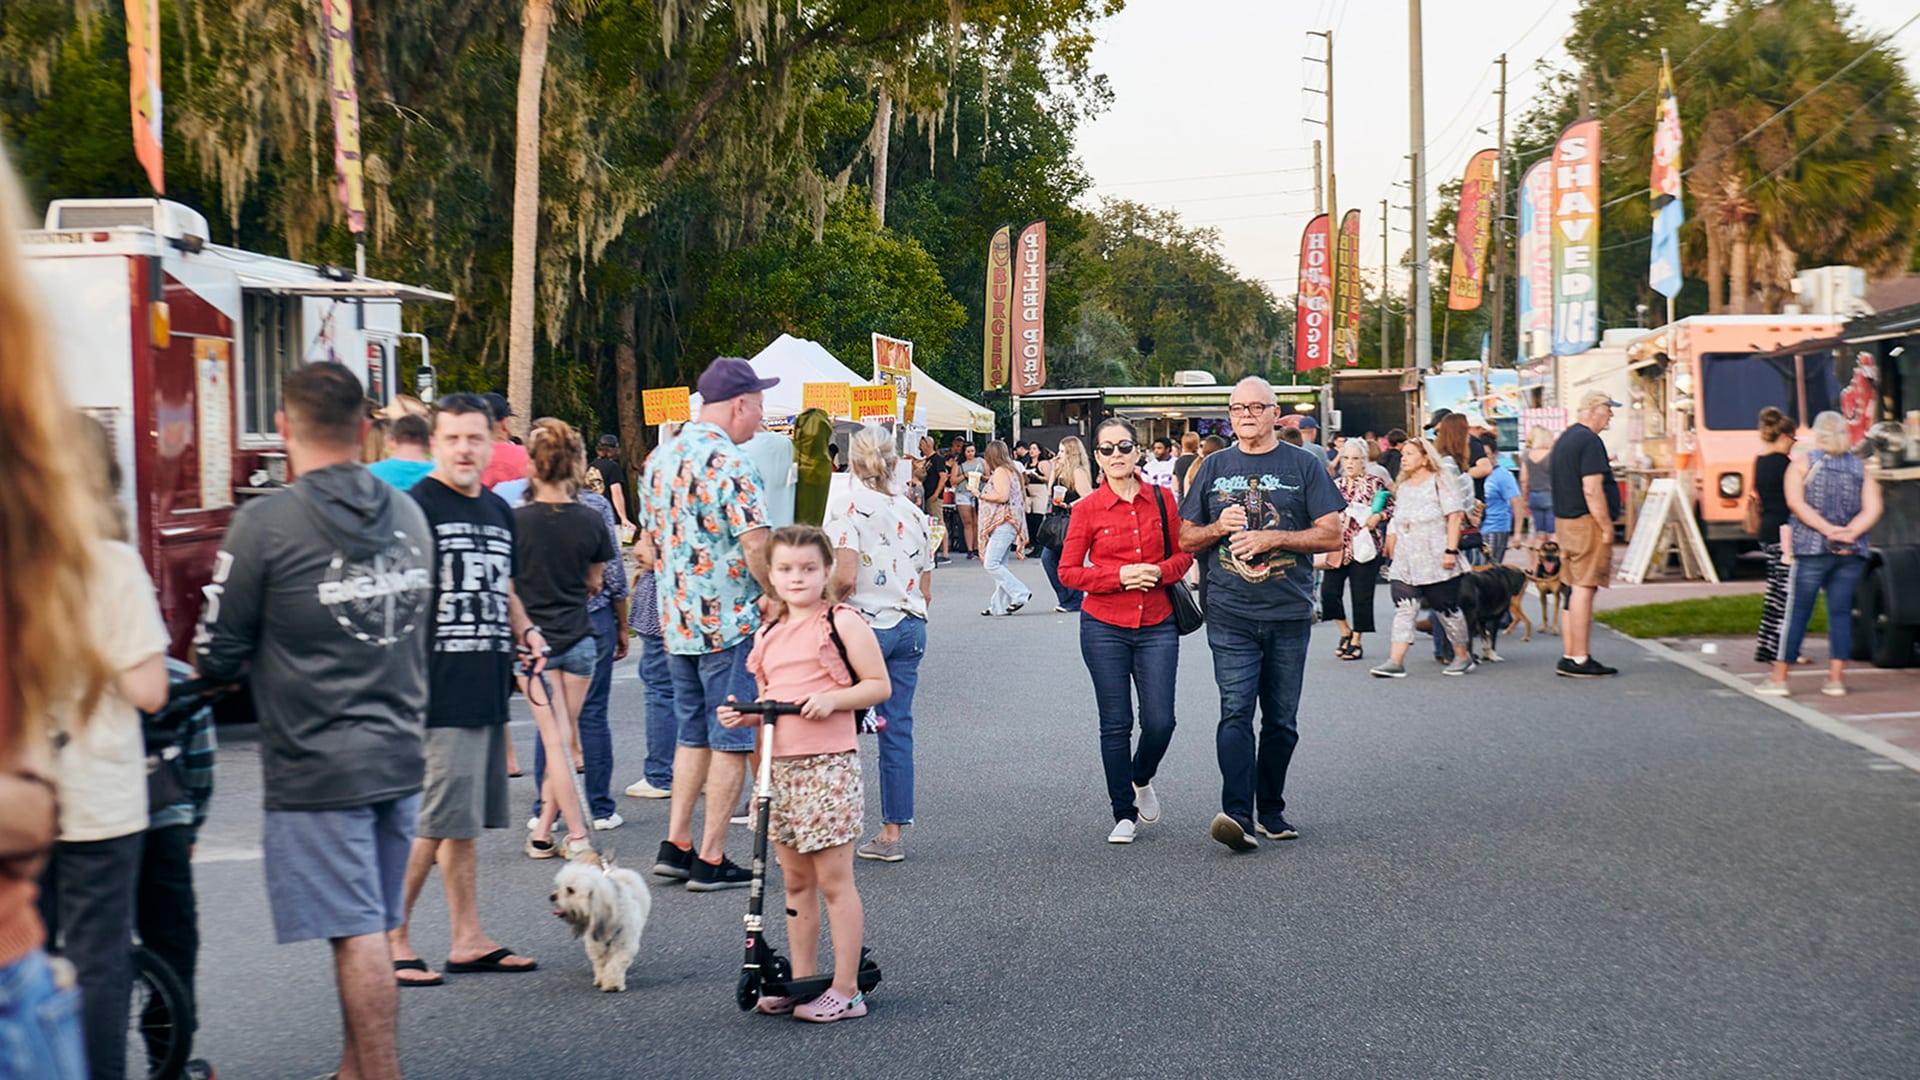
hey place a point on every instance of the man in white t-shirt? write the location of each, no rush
(1159, 467)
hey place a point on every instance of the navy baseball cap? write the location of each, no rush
(497, 406)
(1310, 423)
(728, 378)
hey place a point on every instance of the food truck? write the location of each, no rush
(178, 347)
(1869, 372)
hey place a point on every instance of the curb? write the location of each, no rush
(1813, 718)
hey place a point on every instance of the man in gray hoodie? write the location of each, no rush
(321, 602)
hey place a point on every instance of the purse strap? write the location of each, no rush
(1166, 534)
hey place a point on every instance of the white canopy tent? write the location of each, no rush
(796, 362)
(937, 408)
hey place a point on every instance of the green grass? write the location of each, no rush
(1712, 616)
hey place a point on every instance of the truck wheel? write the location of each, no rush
(1888, 645)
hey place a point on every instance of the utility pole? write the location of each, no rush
(1319, 180)
(1339, 335)
(1386, 343)
(1422, 313)
(1496, 281)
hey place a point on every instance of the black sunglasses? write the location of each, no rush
(1125, 446)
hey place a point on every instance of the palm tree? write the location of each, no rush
(537, 20)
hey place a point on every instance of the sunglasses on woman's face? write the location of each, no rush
(1108, 449)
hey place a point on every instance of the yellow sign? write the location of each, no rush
(668, 404)
(913, 398)
(834, 397)
(873, 401)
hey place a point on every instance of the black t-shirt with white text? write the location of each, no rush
(470, 658)
(610, 473)
(558, 544)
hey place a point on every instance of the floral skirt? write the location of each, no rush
(817, 801)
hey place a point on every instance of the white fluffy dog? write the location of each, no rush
(607, 907)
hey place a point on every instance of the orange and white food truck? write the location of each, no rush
(178, 346)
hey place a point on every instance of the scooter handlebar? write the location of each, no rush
(765, 708)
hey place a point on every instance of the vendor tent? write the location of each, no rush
(940, 409)
(796, 362)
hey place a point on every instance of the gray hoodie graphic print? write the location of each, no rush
(321, 601)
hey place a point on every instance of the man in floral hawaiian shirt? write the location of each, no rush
(706, 520)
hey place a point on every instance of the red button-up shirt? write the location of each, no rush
(1109, 532)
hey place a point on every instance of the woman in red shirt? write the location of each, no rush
(1120, 551)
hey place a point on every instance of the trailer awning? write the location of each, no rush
(358, 289)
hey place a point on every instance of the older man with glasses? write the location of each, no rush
(1255, 513)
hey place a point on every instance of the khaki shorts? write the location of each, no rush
(1586, 547)
(817, 801)
(465, 789)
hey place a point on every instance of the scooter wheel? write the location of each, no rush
(747, 993)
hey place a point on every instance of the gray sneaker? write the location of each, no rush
(1461, 666)
(1389, 670)
(1147, 802)
(883, 851)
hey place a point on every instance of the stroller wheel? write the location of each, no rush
(747, 993)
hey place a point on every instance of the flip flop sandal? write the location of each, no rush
(491, 963)
(415, 965)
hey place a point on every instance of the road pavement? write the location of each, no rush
(1502, 875)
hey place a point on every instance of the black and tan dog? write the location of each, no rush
(1553, 593)
(1489, 596)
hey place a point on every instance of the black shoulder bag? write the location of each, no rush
(1187, 616)
(865, 720)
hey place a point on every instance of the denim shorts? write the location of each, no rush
(40, 1021)
(337, 873)
(578, 660)
(702, 684)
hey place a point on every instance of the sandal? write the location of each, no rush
(830, 1006)
(415, 964)
(489, 962)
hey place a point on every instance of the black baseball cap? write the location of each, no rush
(728, 378)
(1439, 415)
(609, 441)
(497, 406)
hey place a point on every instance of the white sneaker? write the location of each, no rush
(613, 821)
(533, 822)
(1147, 802)
(1772, 689)
(644, 790)
(1123, 832)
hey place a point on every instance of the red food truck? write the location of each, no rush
(178, 346)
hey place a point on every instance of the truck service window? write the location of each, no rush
(272, 349)
(1736, 386)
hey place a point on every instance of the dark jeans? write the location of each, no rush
(1050, 562)
(165, 909)
(86, 900)
(1362, 578)
(1123, 660)
(663, 726)
(596, 738)
(1257, 662)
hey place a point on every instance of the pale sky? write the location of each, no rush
(1208, 117)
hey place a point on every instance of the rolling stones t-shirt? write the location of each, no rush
(1286, 488)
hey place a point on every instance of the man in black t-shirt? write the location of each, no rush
(1585, 501)
(477, 621)
(613, 476)
(1255, 514)
(1390, 460)
(935, 487)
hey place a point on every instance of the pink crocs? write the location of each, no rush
(774, 1006)
(830, 1006)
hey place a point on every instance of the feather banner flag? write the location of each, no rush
(346, 113)
(1313, 304)
(1669, 210)
(996, 350)
(1535, 261)
(1472, 232)
(1576, 238)
(143, 87)
(1030, 314)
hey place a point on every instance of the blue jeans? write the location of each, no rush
(902, 644)
(1809, 575)
(701, 685)
(662, 725)
(1007, 589)
(40, 1024)
(596, 738)
(1122, 661)
(1069, 598)
(1256, 662)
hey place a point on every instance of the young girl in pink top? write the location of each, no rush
(817, 799)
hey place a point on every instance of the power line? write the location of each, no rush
(1817, 140)
(1214, 176)
(1243, 195)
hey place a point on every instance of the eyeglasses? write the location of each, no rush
(1108, 449)
(1249, 410)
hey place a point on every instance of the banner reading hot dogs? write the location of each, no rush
(1313, 303)
(1030, 313)
(993, 360)
(1576, 238)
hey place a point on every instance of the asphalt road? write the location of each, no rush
(1504, 875)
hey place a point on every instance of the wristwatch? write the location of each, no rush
(1451, 551)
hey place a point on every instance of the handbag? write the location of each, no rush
(1751, 522)
(1053, 529)
(1187, 616)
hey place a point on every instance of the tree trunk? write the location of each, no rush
(1737, 287)
(1716, 265)
(882, 137)
(537, 20)
(627, 384)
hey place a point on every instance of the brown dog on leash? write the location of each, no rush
(1545, 577)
